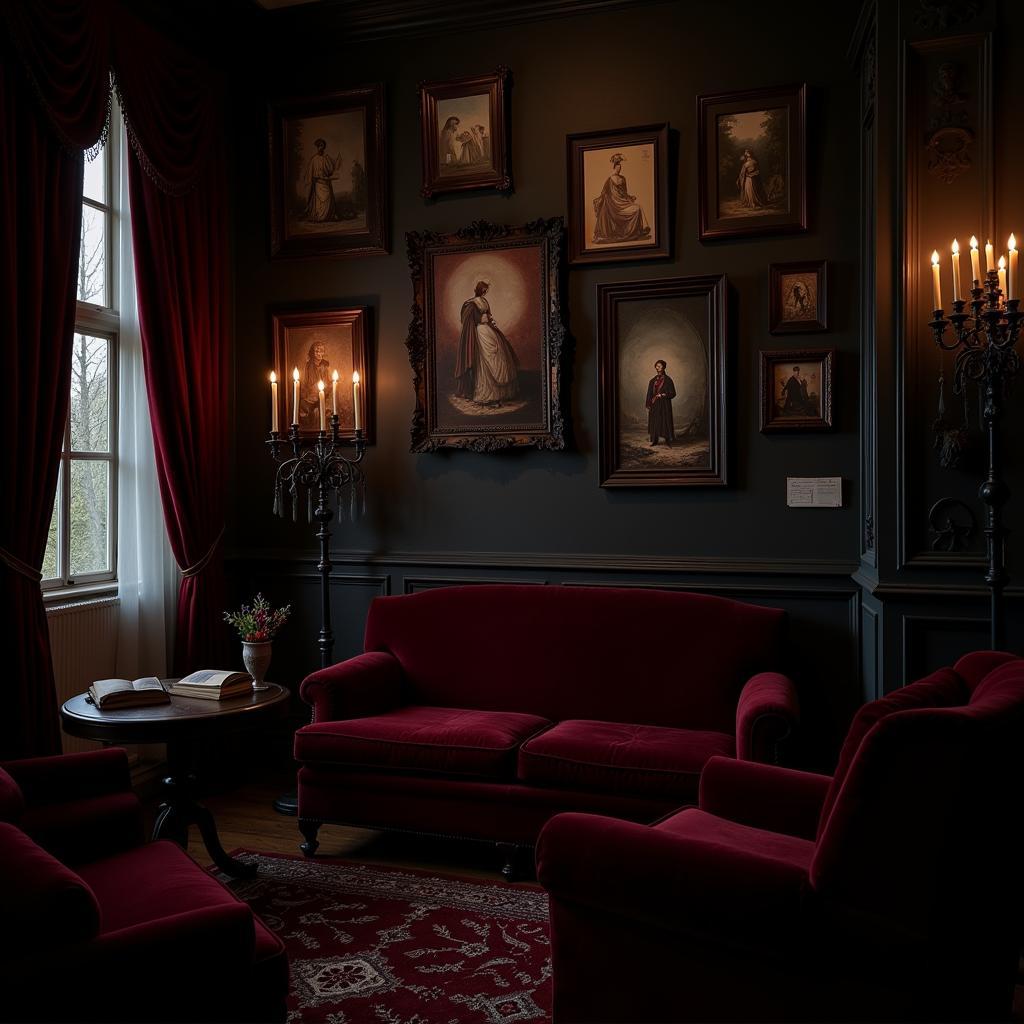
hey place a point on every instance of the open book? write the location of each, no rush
(128, 693)
(212, 684)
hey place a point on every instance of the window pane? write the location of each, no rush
(90, 408)
(92, 259)
(90, 498)
(96, 178)
(50, 568)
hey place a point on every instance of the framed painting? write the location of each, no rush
(661, 386)
(797, 297)
(486, 337)
(319, 343)
(465, 141)
(618, 195)
(328, 175)
(796, 390)
(752, 164)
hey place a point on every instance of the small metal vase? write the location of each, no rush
(256, 657)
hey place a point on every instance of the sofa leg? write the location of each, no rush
(309, 829)
(516, 863)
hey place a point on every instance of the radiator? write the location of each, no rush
(83, 641)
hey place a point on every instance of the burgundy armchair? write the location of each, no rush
(890, 891)
(99, 925)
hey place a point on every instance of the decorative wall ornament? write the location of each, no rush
(939, 15)
(949, 142)
(869, 71)
(869, 532)
(951, 440)
(486, 337)
(952, 523)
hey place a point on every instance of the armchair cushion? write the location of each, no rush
(641, 760)
(66, 777)
(767, 712)
(454, 741)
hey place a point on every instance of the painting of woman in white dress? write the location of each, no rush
(487, 369)
(619, 217)
(752, 159)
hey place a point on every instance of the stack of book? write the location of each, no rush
(211, 684)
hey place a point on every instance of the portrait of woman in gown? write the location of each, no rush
(320, 204)
(317, 369)
(752, 193)
(620, 217)
(487, 368)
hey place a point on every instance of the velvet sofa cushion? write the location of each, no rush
(452, 741)
(12, 802)
(642, 760)
(572, 652)
(88, 828)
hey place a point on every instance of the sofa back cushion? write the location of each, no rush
(614, 654)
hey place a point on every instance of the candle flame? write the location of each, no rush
(319, 385)
(956, 247)
(935, 257)
(295, 374)
(1011, 242)
(1002, 262)
(273, 377)
(334, 376)
(974, 242)
(355, 376)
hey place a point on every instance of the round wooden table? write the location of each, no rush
(182, 724)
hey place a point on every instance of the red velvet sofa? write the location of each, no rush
(890, 891)
(100, 926)
(481, 711)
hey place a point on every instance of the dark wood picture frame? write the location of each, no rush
(782, 317)
(427, 250)
(772, 420)
(342, 242)
(289, 353)
(791, 212)
(610, 299)
(578, 203)
(497, 173)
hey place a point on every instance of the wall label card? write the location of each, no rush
(814, 491)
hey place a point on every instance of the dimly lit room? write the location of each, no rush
(509, 511)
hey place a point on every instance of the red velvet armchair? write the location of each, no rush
(99, 925)
(891, 891)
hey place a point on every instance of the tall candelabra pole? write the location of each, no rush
(318, 469)
(984, 341)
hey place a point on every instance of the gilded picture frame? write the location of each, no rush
(796, 390)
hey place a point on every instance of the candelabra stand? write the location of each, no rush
(319, 469)
(984, 341)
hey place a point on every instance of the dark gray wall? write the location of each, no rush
(542, 516)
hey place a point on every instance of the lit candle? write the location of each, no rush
(273, 401)
(355, 398)
(956, 270)
(334, 393)
(936, 287)
(1002, 275)
(323, 411)
(975, 263)
(990, 257)
(1012, 284)
(295, 395)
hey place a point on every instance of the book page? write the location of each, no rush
(210, 678)
(147, 683)
(102, 687)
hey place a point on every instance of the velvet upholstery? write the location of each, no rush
(904, 905)
(133, 931)
(480, 711)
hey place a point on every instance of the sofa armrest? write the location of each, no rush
(683, 883)
(368, 684)
(63, 778)
(767, 712)
(764, 796)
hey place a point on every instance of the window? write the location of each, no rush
(81, 547)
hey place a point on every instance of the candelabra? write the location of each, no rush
(984, 341)
(320, 469)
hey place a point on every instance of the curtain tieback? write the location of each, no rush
(15, 563)
(194, 570)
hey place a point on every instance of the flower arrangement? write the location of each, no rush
(259, 622)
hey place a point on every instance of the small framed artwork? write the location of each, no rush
(661, 387)
(464, 126)
(618, 195)
(486, 337)
(797, 297)
(752, 162)
(328, 175)
(319, 343)
(796, 390)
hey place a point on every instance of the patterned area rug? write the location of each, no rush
(383, 946)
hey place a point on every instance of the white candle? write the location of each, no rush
(990, 257)
(323, 411)
(273, 401)
(1012, 284)
(975, 263)
(956, 270)
(355, 398)
(936, 287)
(295, 395)
(334, 393)
(1002, 276)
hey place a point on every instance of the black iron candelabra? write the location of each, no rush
(984, 340)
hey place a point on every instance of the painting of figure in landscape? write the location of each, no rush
(753, 149)
(464, 134)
